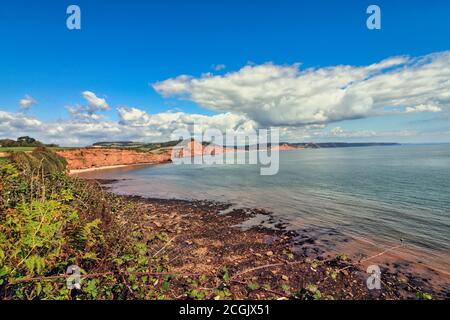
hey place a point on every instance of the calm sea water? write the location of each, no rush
(380, 194)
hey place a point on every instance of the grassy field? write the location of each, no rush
(26, 149)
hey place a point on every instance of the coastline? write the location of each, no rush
(88, 160)
(92, 169)
(190, 249)
(76, 171)
(208, 237)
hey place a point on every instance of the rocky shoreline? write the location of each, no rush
(261, 262)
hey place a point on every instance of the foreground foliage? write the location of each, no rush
(49, 221)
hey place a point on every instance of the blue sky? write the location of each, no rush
(125, 46)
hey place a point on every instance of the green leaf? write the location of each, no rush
(226, 275)
(253, 286)
(424, 296)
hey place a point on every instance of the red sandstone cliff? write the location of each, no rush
(89, 158)
(194, 148)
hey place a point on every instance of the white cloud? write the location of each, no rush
(137, 125)
(283, 95)
(339, 132)
(83, 113)
(166, 122)
(321, 133)
(134, 124)
(17, 121)
(175, 86)
(423, 108)
(301, 103)
(218, 67)
(27, 102)
(89, 112)
(95, 103)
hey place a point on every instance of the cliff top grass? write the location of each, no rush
(16, 149)
(29, 149)
(39, 159)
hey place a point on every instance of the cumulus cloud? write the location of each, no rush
(88, 112)
(95, 103)
(71, 132)
(284, 95)
(134, 124)
(423, 108)
(137, 125)
(139, 118)
(301, 103)
(82, 112)
(27, 102)
(17, 121)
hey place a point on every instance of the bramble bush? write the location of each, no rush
(49, 221)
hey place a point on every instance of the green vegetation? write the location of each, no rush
(23, 144)
(137, 146)
(311, 292)
(49, 221)
(30, 149)
(424, 296)
(17, 149)
(253, 286)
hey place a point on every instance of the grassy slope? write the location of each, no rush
(28, 149)
(17, 149)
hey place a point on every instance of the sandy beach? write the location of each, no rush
(76, 171)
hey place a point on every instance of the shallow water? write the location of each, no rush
(374, 196)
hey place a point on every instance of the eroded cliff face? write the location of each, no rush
(194, 149)
(89, 158)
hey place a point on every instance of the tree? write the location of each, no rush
(7, 143)
(26, 140)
